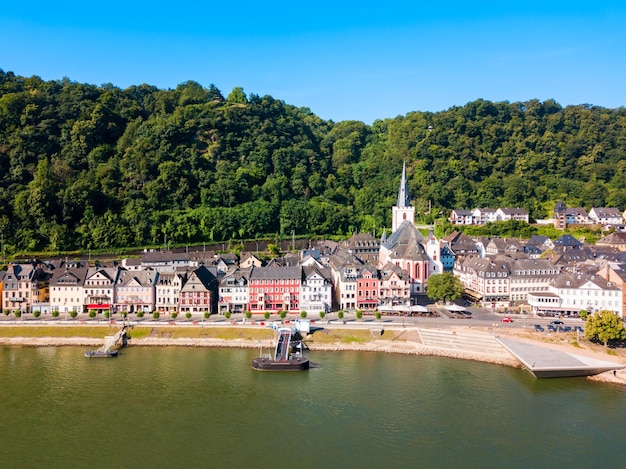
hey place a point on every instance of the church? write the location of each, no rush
(406, 247)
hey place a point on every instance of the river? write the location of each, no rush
(198, 407)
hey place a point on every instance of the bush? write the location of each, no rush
(174, 315)
(188, 315)
(107, 315)
(378, 315)
(207, 315)
(17, 313)
(36, 314)
(303, 314)
(322, 314)
(266, 315)
(73, 314)
(340, 314)
(6, 312)
(227, 314)
(92, 313)
(124, 314)
(359, 314)
(248, 314)
(140, 314)
(282, 313)
(156, 315)
(55, 314)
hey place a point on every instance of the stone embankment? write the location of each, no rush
(407, 347)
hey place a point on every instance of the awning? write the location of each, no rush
(474, 295)
(454, 307)
(99, 306)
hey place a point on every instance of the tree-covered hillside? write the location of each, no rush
(84, 166)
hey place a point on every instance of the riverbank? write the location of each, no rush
(401, 341)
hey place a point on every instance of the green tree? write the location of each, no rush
(359, 314)
(237, 96)
(282, 313)
(605, 326)
(156, 315)
(188, 315)
(445, 286)
(266, 315)
(303, 314)
(227, 314)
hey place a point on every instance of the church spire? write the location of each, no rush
(402, 211)
(403, 192)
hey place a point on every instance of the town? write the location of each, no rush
(538, 276)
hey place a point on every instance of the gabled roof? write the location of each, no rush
(201, 277)
(139, 278)
(568, 240)
(69, 277)
(615, 238)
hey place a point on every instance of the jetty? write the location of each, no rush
(543, 362)
(111, 345)
(287, 355)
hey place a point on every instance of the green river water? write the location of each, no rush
(197, 407)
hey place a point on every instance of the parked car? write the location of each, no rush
(561, 329)
(506, 319)
(539, 328)
(568, 328)
(556, 322)
(551, 328)
(578, 329)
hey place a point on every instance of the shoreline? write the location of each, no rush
(404, 347)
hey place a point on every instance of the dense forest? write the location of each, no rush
(88, 167)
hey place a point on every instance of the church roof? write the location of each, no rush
(406, 242)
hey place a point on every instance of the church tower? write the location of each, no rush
(402, 210)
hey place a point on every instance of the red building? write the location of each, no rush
(367, 288)
(274, 289)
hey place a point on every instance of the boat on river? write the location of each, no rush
(288, 354)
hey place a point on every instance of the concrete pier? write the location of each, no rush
(544, 362)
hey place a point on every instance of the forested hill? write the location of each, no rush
(84, 166)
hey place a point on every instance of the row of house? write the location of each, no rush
(563, 216)
(363, 273)
(564, 276)
(566, 216)
(76, 286)
(288, 284)
(480, 216)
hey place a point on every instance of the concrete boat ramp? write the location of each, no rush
(545, 362)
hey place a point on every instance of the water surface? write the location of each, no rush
(198, 407)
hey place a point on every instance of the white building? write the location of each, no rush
(316, 290)
(572, 293)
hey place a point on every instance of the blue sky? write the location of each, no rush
(343, 60)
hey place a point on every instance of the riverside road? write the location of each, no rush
(473, 317)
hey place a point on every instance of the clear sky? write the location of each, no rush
(342, 59)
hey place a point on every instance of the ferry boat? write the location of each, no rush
(284, 359)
